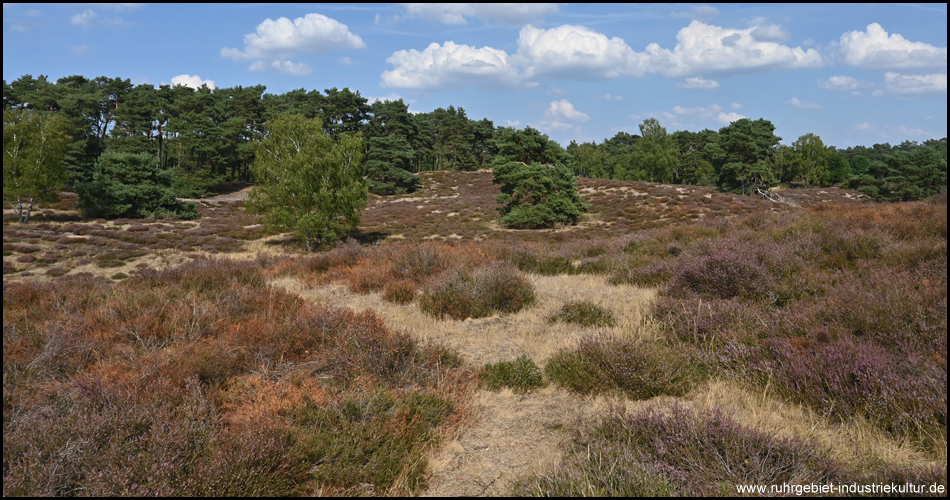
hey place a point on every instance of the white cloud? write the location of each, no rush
(513, 14)
(699, 12)
(83, 19)
(843, 83)
(915, 84)
(875, 49)
(563, 109)
(512, 123)
(313, 33)
(736, 105)
(611, 97)
(194, 82)
(864, 126)
(285, 67)
(346, 61)
(575, 52)
(698, 82)
(729, 117)
(711, 112)
(450, 66)
(803, 104)
(703, 48)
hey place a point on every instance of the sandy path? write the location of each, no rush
(510, 436)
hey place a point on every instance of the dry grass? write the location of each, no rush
(855, 442)
(503, 337)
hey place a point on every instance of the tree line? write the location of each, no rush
(181, 142)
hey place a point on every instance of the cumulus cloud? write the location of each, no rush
(876, 49)
(194, 82)
(579, 53)
(512, 14)
(285, 67)
(704, 48)
(563, 109)
(915, 84)
(313, 33)
(83, 19)
(450, 66)
(803, 104)
(699, 12)
(843, 83)
(575, 51)
(698, 82)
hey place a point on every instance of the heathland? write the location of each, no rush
(678, 340)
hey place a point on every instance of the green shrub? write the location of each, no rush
(639, 369)
(131, 185)
(583, 313)
(461, 294)
(537, 189)
(373, 440)
(520, 375)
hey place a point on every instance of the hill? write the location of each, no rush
(677, 340)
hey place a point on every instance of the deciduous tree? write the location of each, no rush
(34, 149)
(308, 183)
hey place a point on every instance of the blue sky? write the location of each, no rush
(853, 74)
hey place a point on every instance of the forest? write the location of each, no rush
(201, 138)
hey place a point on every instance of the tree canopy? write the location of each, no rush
(538, 190)
(307, 182)
(34, 150)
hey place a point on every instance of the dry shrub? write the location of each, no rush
(146, 387)
(669, 450)
(722, 275)
(461, 294)
(400, 292)
(416, 264)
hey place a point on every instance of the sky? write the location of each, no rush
(852, 74)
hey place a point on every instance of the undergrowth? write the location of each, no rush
(520, 375)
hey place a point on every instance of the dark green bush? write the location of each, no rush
(537, 196)
(131, 185)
